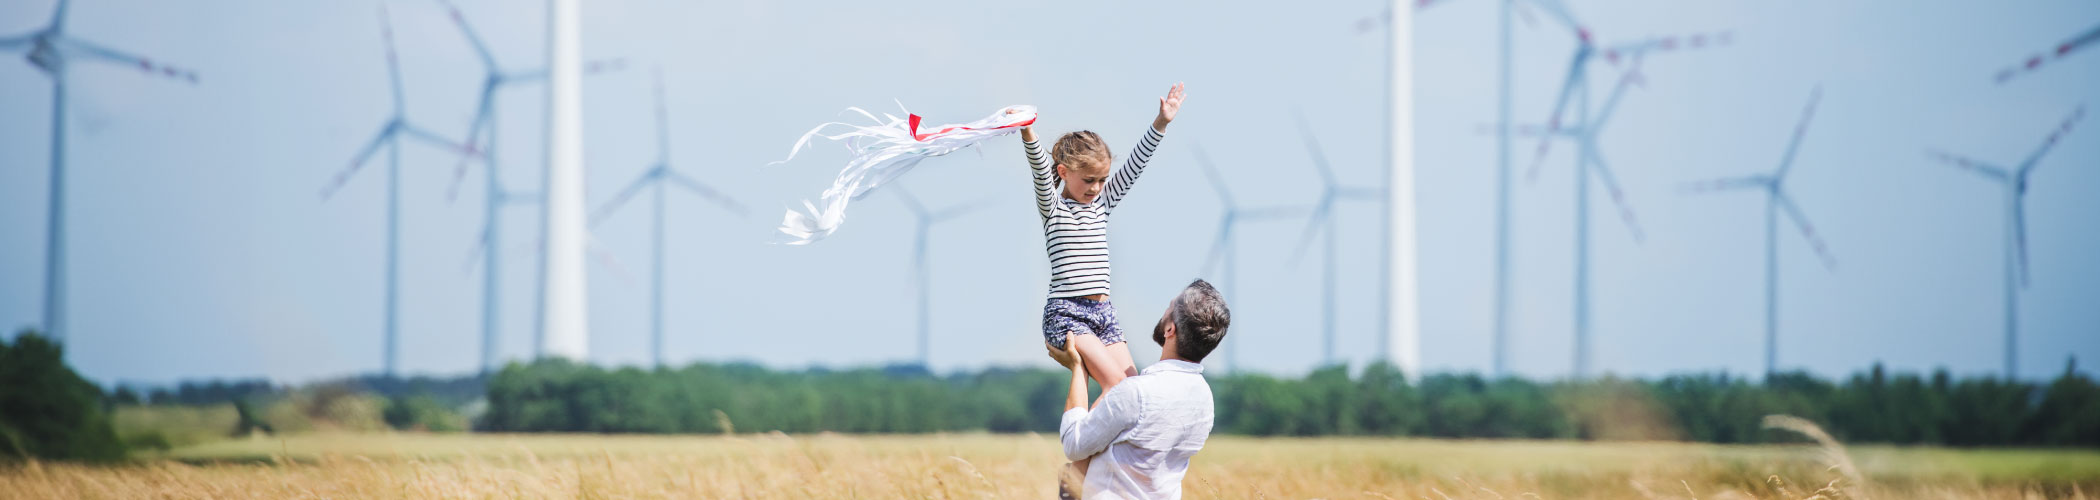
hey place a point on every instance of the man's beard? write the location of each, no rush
(1159, 333)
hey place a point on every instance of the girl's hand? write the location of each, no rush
(1027, 131)
(1171, 104)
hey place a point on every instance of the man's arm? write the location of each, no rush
(1070, 358)
(1134, 163)
(1085, 433)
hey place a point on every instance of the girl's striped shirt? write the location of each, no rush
(1076, 234)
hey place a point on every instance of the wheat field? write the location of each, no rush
(985, 466)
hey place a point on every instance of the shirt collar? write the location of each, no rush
(1174, 365)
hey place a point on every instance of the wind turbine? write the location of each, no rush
(1502, 118)
(1399, 311)
(390, 134)
(1776, 199)
(51, 50)
(563, 326)
(481, 138)
(1321, 223)
(656, 176)
(2034, 62)
(921, 279)
(2015, 180)
(1223, 252)
(1584, 133)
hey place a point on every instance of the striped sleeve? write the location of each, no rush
(1045, 178)
(1132, 166)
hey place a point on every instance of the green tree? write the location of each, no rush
(46, 410)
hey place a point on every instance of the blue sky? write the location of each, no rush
(201, 248)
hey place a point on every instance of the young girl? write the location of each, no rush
(1075, 227)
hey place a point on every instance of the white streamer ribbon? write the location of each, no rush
(881, 153)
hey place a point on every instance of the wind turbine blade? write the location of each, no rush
(1808, 230)
(488, 60)
(1786, 161)
(481, 245)
(1217, 181)
(590, 68)
(911, 202)
(1372, 22)
(1518, 130)
(1560, 105)
(2019, 222)
(441, 142)
(1728, 183)
(1626, 80)
(527, 76)
(474, 136)
(1426, 4)
(357, 162)
(612, 262)
(1313, 225)
(961, 210)
(663, 120)
(94, 51)
(2034, 62)
(1271, 213)
(1359, 193)
(1218, 247)
(705, 192)
(1524, 13)
(1668, 43)
(8, 43)
(2050, 143)
(1618, 196)
(627, 193)
(1988, 170)
(393, 56)
(1312, 149)
(603, 66)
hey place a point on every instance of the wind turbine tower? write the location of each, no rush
(1224, 253)
(53, 51)
(2014, 178)
(655, 178)
(564, 326)
(1777, 200)
(1321, 223)
(396, 128)
(922, 279)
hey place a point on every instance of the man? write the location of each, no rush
(1137, 440)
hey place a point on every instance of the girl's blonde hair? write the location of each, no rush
(1080, 149)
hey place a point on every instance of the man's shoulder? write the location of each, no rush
(1173, 382)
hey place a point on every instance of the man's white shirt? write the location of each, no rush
(1144, 431)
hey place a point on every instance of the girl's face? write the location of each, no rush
(1084, 182)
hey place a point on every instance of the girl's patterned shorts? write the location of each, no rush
(1080, 316)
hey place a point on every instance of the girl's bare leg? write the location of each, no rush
(1108, 365)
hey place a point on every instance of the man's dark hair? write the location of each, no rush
(1200, 318)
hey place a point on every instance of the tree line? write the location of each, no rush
(48, 410)
(1874, 406)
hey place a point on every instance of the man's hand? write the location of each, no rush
(1169, 106)
(1069, 356)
